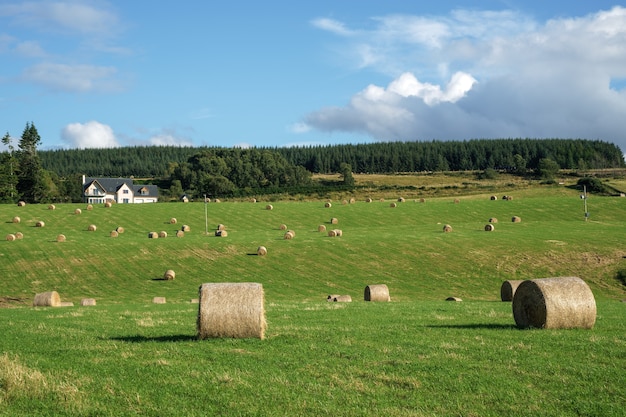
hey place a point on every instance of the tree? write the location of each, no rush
(8, 166)
(547, 168)
(31, 184)
(520, 164)
(345, 171)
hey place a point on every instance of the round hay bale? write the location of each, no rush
(342, 299)
(382, 200)
(217, 200)
(89, 207)
(493, 220)
(493, 197)
(400, 199)
(321, 228)
(288, 236)
(169, 275)
(185, 228)
(234, 310)
(344, 202)
(338, 232)
(293, 232)
(47, 299)
(119, 229)
(21, 203)
(352, 200)
(269, 207)
(554, 303)
(51, 207)
(376, 292)
(457, 299)
(332, 233)
(220, 227)
(19, 235)
(61, 238)
(334, 220)
(11, 237)
(516, 219)
(221, 233)
(40, 223)
(422, 200)
(509, 197)
(78, 211)
(158, 300)
(180, 233)
(489, 227)
(173, 220)
(508, 288)
(392, 205)
(447, 228)
(261, 251)
(505, 197)
(16, 219)
(331, 297)
(85, 302)
(107, 204)
(328, 205)
(92, 228)
(368, 200)
(283, 227)
(253, 200)
(113, 233)
(163, 234)
(457, 201)
(153, 235)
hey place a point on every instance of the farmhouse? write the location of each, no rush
(119, 190)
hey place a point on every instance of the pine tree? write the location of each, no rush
(31, 183)
(8, 166)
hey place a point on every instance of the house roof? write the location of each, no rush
(111, 185)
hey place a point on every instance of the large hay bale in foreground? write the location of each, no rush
(88, 302)
(11, 237)
(261, 251)
(16, 219)
(61, 238)
(554, 303)
(332, 233)
(231, 310)
(376, 292)
(169, 275)
(516, 219)
(158, 300)
(508, 288)
(47, 299)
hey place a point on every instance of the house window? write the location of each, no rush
(126, 201)
(125, 191)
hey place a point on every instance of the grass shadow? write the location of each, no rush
(144, 339)
(490, 326)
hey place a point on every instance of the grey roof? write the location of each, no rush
(111, 185)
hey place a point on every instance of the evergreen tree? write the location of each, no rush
(345, 170)
(31, 183)
(8, 166)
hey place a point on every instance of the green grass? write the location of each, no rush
(415, 356)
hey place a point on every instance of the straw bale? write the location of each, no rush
(261, 251)
(516, 219)
(332, 233)
(66, 304)
(368, 200)
(334, 220)
(269, 207)
(422, 200)
(173, 220)
(376, 292)
(221, 233)
(107, 204)
(222, 227)
(234, 310)
(253, 200)
(163, 234)
(321, 228)
(509, 197)
(119, 229)
(344, 202)
(392, 205)
(47, 299)
(21, 203)
(328, 205)
(40, 223)
(185, 228)
(288, 236)
(78, 211)
(89, 207)
(342, 299)
(400, 199)
(217, 200)
(331, 297)
(153, 235)
(504, 198)
(19, 235)
(92, 228)
(85, 302)
(493, 197)
(352, 200)
(382, 200)
(508, 288)
(51, 207)
(489, 227)
(447, 228)
(169, 275)
(554, 303)
(457, 201)
(293, 232)
(61, 238)
(283, 227)
(114, 233)
(158, 300)
(493, 220)
(180, 233)
(338, 232)
(16, 219)
(11, 237)
(457, 299)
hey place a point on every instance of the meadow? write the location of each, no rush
(417, 355)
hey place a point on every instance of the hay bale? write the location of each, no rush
(447, 228)
(554, 303)
(253, 200)
(392, 205)
(40, 223)
(47, 299)
(338, 232)
(61, 238)
(489, 227)
(92, 228)
(516, 219)
(508, 288)
(334, 220)
(493, 197)
(342, 299)
(457, 201)
(261, 251)
(89, 207)
(368, 200)
(505, 197)
(21, 203)
(332, 233)
(269, 207)
(493, 220)
(113, 233)
(78, 211)
(19, 235)
(163, 234)
(321, 228)
(169, 275)
(331, 297)
(231, 310)
(107, 204)
(180, 233)
(85, 302)
(153, 235)
(222, 227)
(457, 299)
(400, 199)
(422, 200)
(283, 227)
(509, 197)
(288, 236)
(66, 304)
(185, 228)
(352, 200)
(158, 300)
(52, 207)
(217, 200)
(11, 237)
(328, 205)
(119, 230)
(221, 233)
(382, 200)
(173, 220)
(376, 292)
(16, 219)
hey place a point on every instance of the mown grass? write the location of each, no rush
(417, 355)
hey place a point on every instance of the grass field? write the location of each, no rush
(418, 355)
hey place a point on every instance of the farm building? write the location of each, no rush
(119, 190)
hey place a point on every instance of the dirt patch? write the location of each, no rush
(9, 302)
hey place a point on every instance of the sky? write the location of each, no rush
(99, 74)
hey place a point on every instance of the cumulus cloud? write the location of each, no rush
(72, 78)
(92, 134)
(168, 139)
(511, 76)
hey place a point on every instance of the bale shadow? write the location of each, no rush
(144, 339)
(161, 279)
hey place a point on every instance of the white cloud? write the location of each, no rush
(72, 78)
(168, 139)
(331, 25)
(92, 134)
(299, 128)
(512, 77)
(30, 49)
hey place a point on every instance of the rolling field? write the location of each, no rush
(417, 355)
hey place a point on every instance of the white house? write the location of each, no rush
(119, 190)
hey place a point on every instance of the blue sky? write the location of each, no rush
(281, 73)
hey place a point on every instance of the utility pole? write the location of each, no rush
(206, 219)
